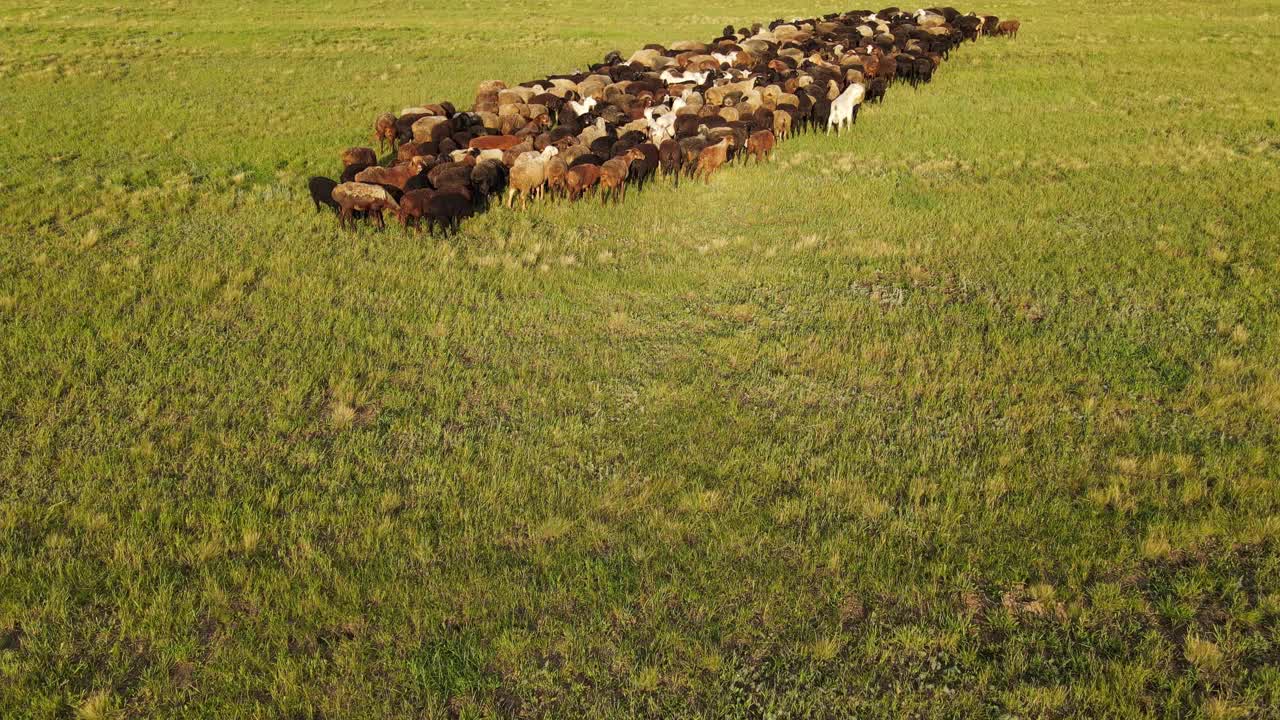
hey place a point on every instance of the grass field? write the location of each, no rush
(971, 412)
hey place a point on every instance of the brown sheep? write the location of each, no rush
(1008, 27)
(711, 158)
(413, 206)
(358, 156)
(384, 130)
(556, 171)
(362, 197)
(410, 150)
(781, 124)
(581, 178)
(494, 142)
(613, 175)
(396, 175)
(760, 144)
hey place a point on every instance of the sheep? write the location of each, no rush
(410, 150)
(358, 156)
(644, 164)
(844, 109)
(349, 172)
(528, 176)
(395, 176)
(556, 170)
(450, 174)
(588, 158)
(581, 178)
(365, 198)
(413, 206)
(494, 142)
(760, 144)
(321, 189)
(781, 124)
(613, 176)
(489, 177)
(1008, 27)
(711, 158)
(582, 108)
(447, 209)
(691, 148)
(384, 130)
(670, 159)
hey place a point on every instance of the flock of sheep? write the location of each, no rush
(683, 110)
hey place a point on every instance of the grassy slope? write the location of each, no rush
(971, 411)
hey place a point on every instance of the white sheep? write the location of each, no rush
(844, 109)
(582, 108)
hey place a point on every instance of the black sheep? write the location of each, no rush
(349, 172)
(643, 168)
(446, 209)
(587, 159)
(321, 189)
(488, 177)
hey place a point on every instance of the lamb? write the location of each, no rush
(844, 109)
(365, 198)
(321, 189)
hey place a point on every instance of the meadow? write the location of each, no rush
(973, 411)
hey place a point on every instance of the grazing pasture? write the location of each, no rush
(971, 410)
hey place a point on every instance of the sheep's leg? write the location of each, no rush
(511, 197)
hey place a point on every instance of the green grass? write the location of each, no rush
(971, 412)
